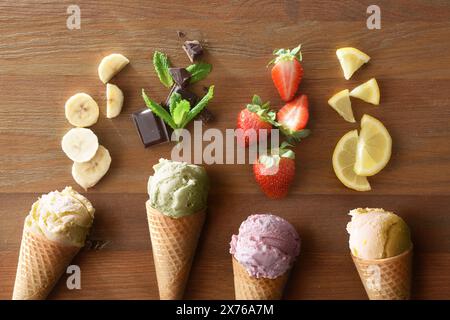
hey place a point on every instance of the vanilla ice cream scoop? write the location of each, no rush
(62, 216)
(377, 234)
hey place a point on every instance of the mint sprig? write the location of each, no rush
(198, 71)
(199, 106)
(158, 110)
(173, 100)
(162, 65)
(180, 110)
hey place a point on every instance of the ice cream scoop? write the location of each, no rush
(177, 189)
(266, 245)
(61, 216)
(377, 234)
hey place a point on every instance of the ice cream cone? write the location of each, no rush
(41, 264)
(247, 287)
(174, 241)
(386, 279)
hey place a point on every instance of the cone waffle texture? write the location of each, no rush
(173, 242)
(41, 264)
(247, 287)
(386, 279)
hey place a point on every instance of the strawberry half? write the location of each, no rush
(293, 118)
(287, 72)
(252, 119)
(275, 172)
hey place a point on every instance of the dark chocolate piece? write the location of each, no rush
(184, 93)
(181, 76)
(152, 129)
(193, 49)
(205, 116)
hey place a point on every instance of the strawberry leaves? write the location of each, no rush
(262, 110)
(293, 137)
(287, 55)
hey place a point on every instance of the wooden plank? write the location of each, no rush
(42, 63)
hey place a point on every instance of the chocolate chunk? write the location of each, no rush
(193, 49)
(151, 128)
(184, 93)
(181, 76)
(205, 116)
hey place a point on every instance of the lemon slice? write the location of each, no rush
(342, 104)
(351, 59)
(343, 162)
(374, 147)
(368, 91)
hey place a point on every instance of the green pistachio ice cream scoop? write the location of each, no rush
(178, 189)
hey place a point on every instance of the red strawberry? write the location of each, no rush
(287, 72)
(252, 119)
(275, 172)
(293, 117)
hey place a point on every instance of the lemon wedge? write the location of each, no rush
(351, 59)
(368, 91)
(344, 160)
(342, 104)
(374, 147)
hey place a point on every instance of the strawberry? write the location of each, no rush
(287, 72)
(293, 117)
(252, 119)
(275, 172)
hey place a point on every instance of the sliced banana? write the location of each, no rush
(111, 65)
(80, 144)
(114, 100)
(81, 110)
(87, 174)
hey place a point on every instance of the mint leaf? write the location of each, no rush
(158, 110)
(198, 71)
(174, 98)
(180, 111)
(162, 65)
(199, 106)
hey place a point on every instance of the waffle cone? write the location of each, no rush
(173, 243)
(41, 264)
(247, 287)
(386, 279)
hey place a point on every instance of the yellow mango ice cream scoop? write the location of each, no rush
(381, 249)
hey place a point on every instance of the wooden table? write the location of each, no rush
(42, 63)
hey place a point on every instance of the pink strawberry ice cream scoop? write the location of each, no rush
(266, 245)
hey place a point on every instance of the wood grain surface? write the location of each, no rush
(42, 63)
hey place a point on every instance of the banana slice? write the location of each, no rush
(111, 65)
(80, 144)
(114, 100)
(81, 110)
(87, 174)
